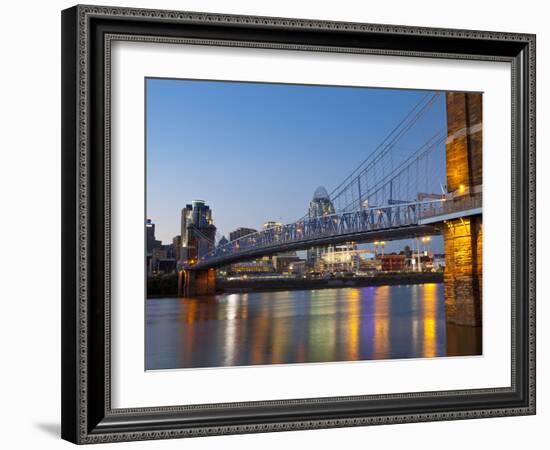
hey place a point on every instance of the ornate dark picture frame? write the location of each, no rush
(87, 33)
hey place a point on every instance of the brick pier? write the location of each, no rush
(197, 282)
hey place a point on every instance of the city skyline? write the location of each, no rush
(355, 175)
(269, 145)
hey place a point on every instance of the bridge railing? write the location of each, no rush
(311, 229)
(453, 205)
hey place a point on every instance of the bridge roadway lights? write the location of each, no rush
(192, 283)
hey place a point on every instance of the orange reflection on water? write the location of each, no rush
(381, 322)
(189, 306)
(429, 319)
(259, 335)
(353, 324)
(279, 339)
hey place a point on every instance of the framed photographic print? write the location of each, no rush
(281, 224)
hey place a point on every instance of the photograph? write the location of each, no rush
(296, 223)
(284, 219)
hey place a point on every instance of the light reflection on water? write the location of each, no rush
(345, 324)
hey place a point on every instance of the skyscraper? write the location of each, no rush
(320, 206)
(197, 230)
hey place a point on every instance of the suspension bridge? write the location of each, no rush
(393, 194)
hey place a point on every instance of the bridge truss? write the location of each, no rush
(366, 225)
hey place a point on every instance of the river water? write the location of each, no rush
(344, 324)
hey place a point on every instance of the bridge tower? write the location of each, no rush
(463, 236)
(198, 237)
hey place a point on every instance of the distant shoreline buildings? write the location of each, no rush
(197, 237)
(159, 257)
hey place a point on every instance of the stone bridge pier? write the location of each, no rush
(196, 282)
(463, 236)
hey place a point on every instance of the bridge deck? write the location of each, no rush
(391, 222)
(389, 234)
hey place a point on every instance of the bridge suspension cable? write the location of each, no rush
(389, 161)
(389, 141)
(397, 185)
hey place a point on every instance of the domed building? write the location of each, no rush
(320, 205)
(328, 258)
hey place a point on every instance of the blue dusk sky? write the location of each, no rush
(257, 151)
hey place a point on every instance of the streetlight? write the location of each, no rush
(426, 241)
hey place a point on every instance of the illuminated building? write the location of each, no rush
(282, 261)
(251, 267)
(297, 267)
(271, 224)
(319, 206)
(368, 265)
(275, 227)
(197, 230)
(340, 258)
(392, 263)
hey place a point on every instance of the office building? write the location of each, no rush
(241, 232)
(198, 232)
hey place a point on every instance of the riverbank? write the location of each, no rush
(289, 284)
(166, 285)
